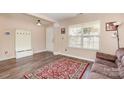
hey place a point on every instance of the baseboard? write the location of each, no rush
(35, 52)
(7, 58)
(56, 53)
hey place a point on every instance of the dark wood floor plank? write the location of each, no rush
(6, 65)
(15, 69)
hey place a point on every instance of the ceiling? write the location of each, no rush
(59, 16)
(54, 17)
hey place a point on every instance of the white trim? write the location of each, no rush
(42, 17)
(24, 54)
(40, 51)
(7, 58)
(56, 53)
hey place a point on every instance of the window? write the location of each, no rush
(85, 36)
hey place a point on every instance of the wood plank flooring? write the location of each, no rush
(15, 69)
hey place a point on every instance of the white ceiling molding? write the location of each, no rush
(59, 16)
(54, 18)
(42, 17)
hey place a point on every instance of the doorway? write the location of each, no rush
(50, 39)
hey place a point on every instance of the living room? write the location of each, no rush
(49, 37)
(65, 46)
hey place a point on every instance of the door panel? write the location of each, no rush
(50, 39)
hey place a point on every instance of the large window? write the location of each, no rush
(85, 36)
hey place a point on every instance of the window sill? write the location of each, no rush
(84, 49)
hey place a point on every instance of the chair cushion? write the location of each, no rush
(106, 56)
(118, 63)
(94, 75)
(121, 71)
(105, 62)
(106, 70)
(120, 53)
(121, 68)
(122, 61)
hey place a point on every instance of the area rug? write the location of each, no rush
(61, 69)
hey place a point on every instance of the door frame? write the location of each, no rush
(50, 39)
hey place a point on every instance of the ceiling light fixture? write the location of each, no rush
(38, 22)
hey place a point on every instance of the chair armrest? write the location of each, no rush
(106, 56)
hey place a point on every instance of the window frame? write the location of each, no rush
(82, 36)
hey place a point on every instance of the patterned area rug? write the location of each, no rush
(61, 69)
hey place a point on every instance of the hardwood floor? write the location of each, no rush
(15, 69)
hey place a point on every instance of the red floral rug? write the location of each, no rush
(61, 69)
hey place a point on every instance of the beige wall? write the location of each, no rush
(108, 44)
(11, 22)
